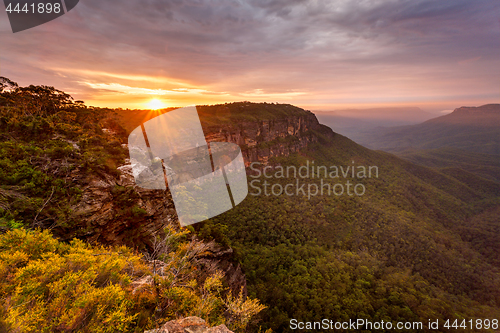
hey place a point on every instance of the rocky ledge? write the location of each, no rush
(189, 325)
(263, 139)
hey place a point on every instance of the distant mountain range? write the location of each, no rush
(381, 116)
(354, 123)
(474, 129)
(467, 139)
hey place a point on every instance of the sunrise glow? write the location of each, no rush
(322, 55)
(156, 104)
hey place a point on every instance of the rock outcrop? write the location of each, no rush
(189, 325)
(107, 201)
(263, 139)
(106, 204)
(216, 258)
(113, 210)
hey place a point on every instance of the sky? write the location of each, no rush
(320, 55)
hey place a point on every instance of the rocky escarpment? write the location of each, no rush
(262, 139)
(116, 211)
(262, 130)
(113, 210)
(216, 258)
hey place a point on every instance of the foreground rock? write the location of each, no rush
(189, 325)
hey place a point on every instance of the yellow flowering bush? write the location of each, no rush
(51, 286)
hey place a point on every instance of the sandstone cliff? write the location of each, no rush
(262, 139)
(104, 198)
(113, 210)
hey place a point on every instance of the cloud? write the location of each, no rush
(123, 89)
(325, 51)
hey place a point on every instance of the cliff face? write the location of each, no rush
(113, 210)
(262, 130)
(261, 140)
(105, 197)
(106, 201)
(101, 212)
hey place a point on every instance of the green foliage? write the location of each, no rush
(215, 231)
(419, 245)
(483, 165)
(46, 140)
(246, 111)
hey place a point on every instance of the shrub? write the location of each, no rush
(51, 286)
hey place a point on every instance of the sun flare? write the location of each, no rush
(156, 104)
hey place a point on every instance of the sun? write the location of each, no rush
(155, 104)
